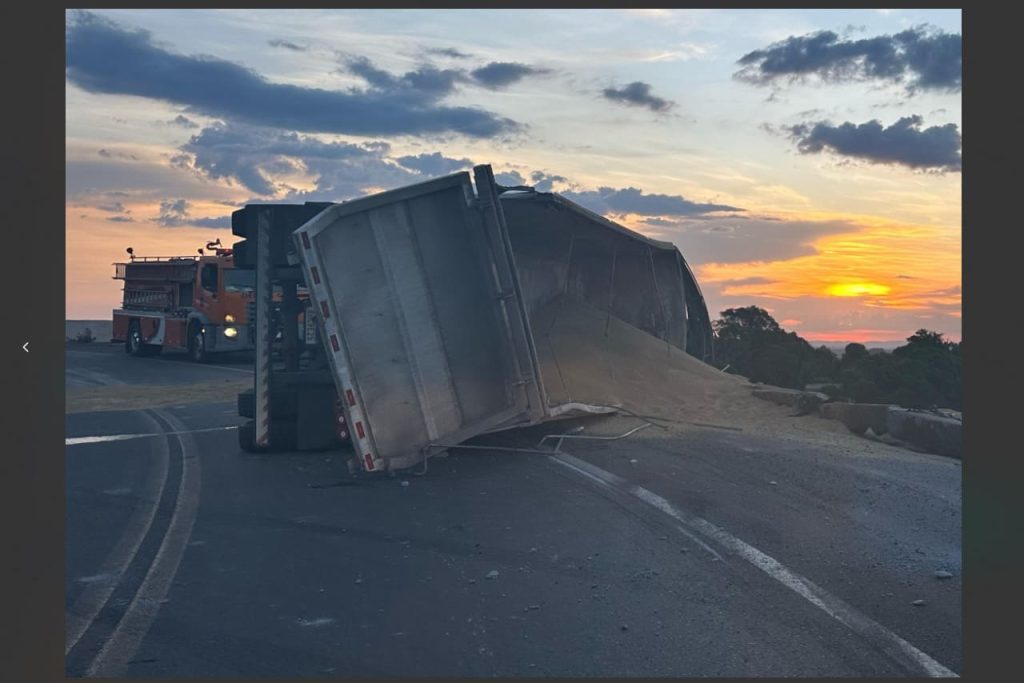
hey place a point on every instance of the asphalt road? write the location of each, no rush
(105, 363)
(715, 554)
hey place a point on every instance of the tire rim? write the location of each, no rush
(198, 345)
(135, 340)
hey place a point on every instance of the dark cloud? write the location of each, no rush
(425, 82)
(447, 52)
(252, 157)
(116, 207)
(175, 213)
(183, 121)
(905, 142)
(606, 200)
(120, 219)
(107, 154)
(434, 164)
(510, 178)
(103, 57)
(288, 45)
(543, 182)
(919, 58)
(219, 222)
(638, 94)
(729, 240)
(502, 74)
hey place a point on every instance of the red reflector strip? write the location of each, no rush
(316, 274)
(305, 240)
(350, 396)
(334, 343)
(359, 430)
(369, 461)
(323, 307)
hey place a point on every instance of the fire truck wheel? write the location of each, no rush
(197, 344)
(134, 345)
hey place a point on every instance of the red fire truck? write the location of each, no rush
(194, 303)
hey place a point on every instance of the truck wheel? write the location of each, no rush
(247, 437)
(197, 344)
(134, 346)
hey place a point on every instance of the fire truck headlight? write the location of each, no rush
(229, 318)
(230, 332)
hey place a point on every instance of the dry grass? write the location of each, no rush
(140, 396)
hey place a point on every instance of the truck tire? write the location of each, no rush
(247, 437)
(133, 344)
(283, 404)
(197, 344)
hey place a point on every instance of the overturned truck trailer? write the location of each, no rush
(425, 298)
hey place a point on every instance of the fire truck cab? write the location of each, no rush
(194, 303)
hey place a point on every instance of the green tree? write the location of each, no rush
(753, 344)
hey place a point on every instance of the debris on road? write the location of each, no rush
(493, 574)
(943, 574)
(918, 603)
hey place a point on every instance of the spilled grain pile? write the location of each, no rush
(588, 356)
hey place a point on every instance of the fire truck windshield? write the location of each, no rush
(238, 280)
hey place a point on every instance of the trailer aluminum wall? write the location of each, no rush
(424, 296)
(420, 310)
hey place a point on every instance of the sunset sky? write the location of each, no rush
(805, 161)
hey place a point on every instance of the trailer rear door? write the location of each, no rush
(419, 307)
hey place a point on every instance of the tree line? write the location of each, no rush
(923, 373)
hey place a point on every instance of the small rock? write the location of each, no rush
(943, 574)
(624, 627)
(472, 580)
(530, 608)
(533, 550)
(405, 483)
(632, 461)
(493, 574)
(918, 603)
(773, 483)
(359, 580)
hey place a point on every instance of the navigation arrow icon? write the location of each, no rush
(25, 346)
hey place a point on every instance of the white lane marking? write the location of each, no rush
(96, 578)
(224, 367)
(79, 440)
(816, 595)
(124, 642)
(96, 593)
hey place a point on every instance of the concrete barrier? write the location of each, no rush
(807, 401)
(932, 433)
(859, 417)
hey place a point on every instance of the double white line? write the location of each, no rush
(124, 642)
